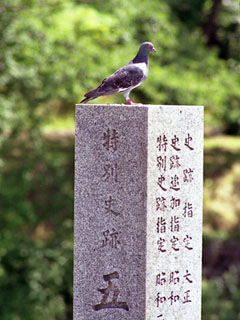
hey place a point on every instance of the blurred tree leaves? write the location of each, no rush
(221, 297)
(54, 51)
(36, 230)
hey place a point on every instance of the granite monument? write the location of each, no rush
(138, 212)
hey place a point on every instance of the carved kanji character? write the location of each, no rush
(160, 204)
(187, 210)
(160, 182)
(186, 298)
(175, 203)
(174, 143)
(175, 243)
(161, 279)
(174, 184)
(188, 177)
(187, 275)
(174, 278)
(161, 244)
(174, 162)
(162, 163)
(161, 225)
(160, 300)
(162, 143)
(173, 298)
(110, 206)
(110, 139)
(187, 142)
(174, 224)
(110, 238)
(111, 288)
(187, 241)
(110, 171)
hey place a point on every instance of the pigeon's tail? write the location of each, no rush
(90, 96)
(87, 99)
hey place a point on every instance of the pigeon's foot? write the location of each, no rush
(129, 101)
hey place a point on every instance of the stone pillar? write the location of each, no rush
(138, 212)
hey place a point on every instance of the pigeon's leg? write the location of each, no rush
(128, 100)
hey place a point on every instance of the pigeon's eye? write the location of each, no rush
(148, 45)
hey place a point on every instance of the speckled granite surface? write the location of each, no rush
(138, 212)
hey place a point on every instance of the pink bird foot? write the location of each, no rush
(130, 102)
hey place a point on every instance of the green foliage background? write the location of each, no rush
(51, 53)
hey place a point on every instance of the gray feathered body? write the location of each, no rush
(126, 78)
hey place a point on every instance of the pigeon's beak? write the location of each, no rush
(154, 50)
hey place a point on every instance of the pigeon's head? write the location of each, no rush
(147, 47)
(143, 52)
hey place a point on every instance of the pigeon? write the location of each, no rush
(125, 79)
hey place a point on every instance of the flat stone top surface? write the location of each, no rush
(135, 106)
(138, 212)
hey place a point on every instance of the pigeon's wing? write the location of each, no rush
(123, 79)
